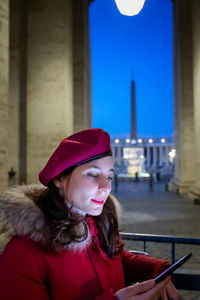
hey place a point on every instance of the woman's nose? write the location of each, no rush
(104, 184)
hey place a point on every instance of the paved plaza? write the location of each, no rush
(160, 212)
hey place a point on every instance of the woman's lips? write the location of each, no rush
(99, 201)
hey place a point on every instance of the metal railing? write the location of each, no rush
(173, 240)
(184, 279)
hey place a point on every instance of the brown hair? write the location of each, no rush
(62, 223)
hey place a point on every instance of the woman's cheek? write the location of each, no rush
(90, 183)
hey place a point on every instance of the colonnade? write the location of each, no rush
(45, 86)
(155, 155)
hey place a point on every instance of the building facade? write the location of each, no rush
(145, 155)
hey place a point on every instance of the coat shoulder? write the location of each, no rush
(20, 247)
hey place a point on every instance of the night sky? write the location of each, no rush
(140, 47)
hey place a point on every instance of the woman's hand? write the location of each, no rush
(146, 290)
(170, 292)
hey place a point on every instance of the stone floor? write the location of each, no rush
(160, 212)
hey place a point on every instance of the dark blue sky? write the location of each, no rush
(140, 44)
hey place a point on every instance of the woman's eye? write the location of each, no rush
(92, 176)
(110, 178)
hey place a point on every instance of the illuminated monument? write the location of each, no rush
(142, 156)
(133, 156)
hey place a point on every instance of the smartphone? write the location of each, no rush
(172, 268)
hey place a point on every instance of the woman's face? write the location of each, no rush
(89, 185)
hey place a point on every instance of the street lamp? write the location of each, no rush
(130, 7)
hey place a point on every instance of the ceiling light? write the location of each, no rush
(130, 7)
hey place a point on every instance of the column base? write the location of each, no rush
(194, 194)
(179, 187)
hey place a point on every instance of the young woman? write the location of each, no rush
(65, 241)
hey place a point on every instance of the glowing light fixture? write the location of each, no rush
(133, 141)
(130, 7)
(127, 140)
(162, 140)
(117, 141)
(140, 141)
(172, 154)
(150, 141)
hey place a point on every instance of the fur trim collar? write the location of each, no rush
(19, 215)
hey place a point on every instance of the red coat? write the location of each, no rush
(27, 273)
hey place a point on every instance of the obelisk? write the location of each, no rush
(133, 112)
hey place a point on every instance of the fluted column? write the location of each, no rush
(4, 66)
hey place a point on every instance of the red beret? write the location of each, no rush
(75, 149)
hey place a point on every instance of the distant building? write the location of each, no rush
(143, 155)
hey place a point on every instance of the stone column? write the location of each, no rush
(154, 156)
(119, 156)
(160, 156)
(194, 191)
(148, 156)
(4, 66)
(167, 155)
(17, 126)
(183, 97)
(113, 154)
(81, 64)
(49, 80)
